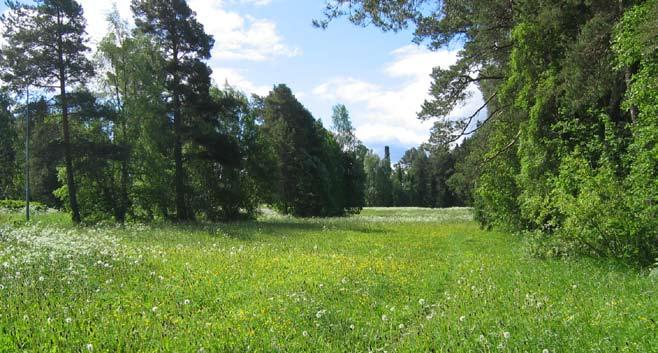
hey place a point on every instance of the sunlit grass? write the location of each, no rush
(405, 280)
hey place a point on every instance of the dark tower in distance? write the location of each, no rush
(387, 154)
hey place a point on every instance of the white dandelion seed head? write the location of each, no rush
(421, 301)
(384, 318)
(305, 333)
(401, 326)
(68, 320)
(154, 309)
(482, 338)
(89, 347)
(41, 278)
(352, 327)
(545, 351)
(462, 318)
(186, 302)
(506, 335)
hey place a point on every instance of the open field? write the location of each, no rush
(394, 280)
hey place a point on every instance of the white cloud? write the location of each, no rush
(241, 37)
(254, 2)
(388, 115)
(236, 79)
(237, 36)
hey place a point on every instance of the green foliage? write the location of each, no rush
(19, 205)
(46, 46)
(311, 164)
(7, 153)
(184, 46)
(568, 146)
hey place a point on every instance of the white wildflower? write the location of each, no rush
(506, 335)
(352, 327)
(186, 302)
(41, 278)
(89, 347)
(68, 320)
(545, 351)
(305, 334)
(462, 318)
(320, 313)
(384, 318)
(401, 326)
(482, 338)
(154, 309)
(421, 301)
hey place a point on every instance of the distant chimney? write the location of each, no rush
(387, 153)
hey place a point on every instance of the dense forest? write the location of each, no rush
(568, 151)
(567, 154)
(136, 129)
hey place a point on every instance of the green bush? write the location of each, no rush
(18, 205)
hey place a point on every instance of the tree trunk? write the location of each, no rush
(182, 213)
(68, 158)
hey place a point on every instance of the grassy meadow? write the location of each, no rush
(387, 280)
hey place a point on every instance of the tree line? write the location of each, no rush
(137, 130)
(568, 151)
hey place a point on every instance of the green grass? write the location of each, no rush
(394, 280)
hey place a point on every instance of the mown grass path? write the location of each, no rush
(394, 280)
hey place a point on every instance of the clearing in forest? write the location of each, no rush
(394, 280)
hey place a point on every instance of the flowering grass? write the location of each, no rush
(388, 280)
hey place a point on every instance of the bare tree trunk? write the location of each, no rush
(182, 213)
(68, 158)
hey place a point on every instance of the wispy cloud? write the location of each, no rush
(388, 115)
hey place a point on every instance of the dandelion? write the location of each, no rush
(154, 309)
(320, 313)
(462, 318)
(384, 318)
(89, 347)
(352, 327)
(421, 301)
(2, 287)
(68, 320)
(41, 278)
(186, 302)
(506, 335)
(305, 333)
(343, 281)
(401, 326)
(545, 351)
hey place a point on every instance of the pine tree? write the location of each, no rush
(184, 45)
(46, 47)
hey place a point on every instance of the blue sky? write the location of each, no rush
(381, 77)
